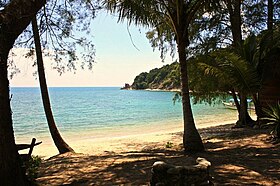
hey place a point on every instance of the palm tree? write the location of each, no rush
(172, 16)
(61, 145)
(239, 69)
(234, 10)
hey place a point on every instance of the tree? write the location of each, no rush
(166, 77)
(264, 15)
(58, 20)
(174, 17)
(239, 71)
(64, 28)
(14, 18)
(234, 9)
(60, 144)
(270, 14)
(255, 15)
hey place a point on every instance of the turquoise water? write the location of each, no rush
(99, 108)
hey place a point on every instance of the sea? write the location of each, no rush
(79, 110)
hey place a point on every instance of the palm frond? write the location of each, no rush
(139, 12)
(249, 50)
(273, 113)
(239, 73)
(272, 118)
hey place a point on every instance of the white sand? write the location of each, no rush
(122, 140)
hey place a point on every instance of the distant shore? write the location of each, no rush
(154, 89)
(164, 90)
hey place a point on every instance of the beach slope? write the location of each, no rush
(238, 156)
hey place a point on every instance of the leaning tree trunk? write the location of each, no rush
(61, 145)
(14, 18)
(237, 104)
(191, 139)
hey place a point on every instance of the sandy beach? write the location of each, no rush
(241, 156)
(118, 140)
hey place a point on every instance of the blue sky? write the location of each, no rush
(117, 60)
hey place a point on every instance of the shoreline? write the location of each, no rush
(117, 141)
(164, 90)
(155, 89)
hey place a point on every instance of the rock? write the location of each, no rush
(161, 166)
(166, 174)
(175, 170)
(203, 163)
(126, 87)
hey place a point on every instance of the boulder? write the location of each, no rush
(164, 174)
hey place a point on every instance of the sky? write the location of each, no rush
(117, 60)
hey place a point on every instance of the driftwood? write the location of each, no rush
(27, 146)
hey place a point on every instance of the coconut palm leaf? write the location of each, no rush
(242, 75)
(249, 50)
(273, 118)
(140, 12)
(269, 46)
(233, 69)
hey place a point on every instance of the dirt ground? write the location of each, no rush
(240, 156)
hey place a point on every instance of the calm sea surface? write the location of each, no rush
(85, 109)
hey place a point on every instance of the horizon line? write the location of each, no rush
(63, 86)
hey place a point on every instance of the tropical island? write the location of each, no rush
(105, 136)
(164, 78)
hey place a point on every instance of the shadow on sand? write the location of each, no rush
(238, 157)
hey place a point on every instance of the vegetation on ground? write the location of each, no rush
(32, 168)
(272, 119)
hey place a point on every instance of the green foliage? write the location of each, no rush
(169, 145)
(177, 98)
(65, 34)
(235, 70)
(205, 86)
(238, 72)
(31, 166)
(255, 14)
(272, 118)
(166, 77)
(140, 81)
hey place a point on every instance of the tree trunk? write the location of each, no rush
(61, 145)
(243, 111)
(237, 104)
(257, 106)
(14, 18)
(244, 119)
(235, 21)
(270, 15)
(9, 158)
(191, 138)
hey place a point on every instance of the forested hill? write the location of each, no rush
(165, 78)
